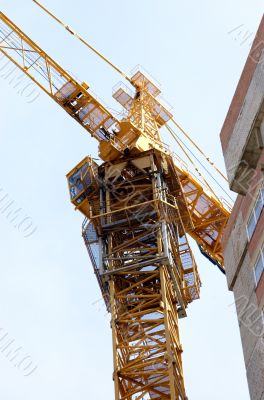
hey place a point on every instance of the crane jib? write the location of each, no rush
(141, 205)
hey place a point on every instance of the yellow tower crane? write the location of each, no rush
(139, 205)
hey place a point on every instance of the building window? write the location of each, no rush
(259, 267)
(253, 220)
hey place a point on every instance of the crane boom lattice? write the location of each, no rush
(140, 205)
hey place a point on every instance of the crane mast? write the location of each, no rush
(145, 268)
(139, 205)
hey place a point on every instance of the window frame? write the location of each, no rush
(260, 256)
(253, 213)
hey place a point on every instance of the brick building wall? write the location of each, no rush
(242, 139)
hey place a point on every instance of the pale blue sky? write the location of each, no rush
(50, 299)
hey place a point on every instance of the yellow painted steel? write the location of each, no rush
(117, 69)
(139, 205)
(148, 275)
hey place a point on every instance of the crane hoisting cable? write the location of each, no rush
(117, 69)
(139, 205)
(82, 40)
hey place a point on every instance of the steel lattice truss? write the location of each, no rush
(139, 207)
(147, 274)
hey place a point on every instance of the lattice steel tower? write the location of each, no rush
(139, 206)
